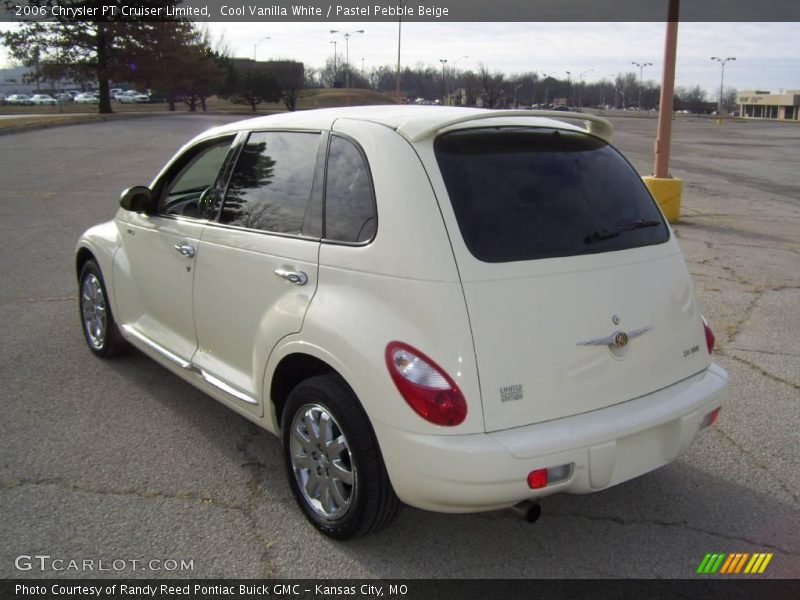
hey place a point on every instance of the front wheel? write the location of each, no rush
(99, 328)
(335, 468)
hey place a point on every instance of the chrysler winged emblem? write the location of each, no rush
(618, 339)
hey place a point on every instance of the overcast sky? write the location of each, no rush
(766, 53)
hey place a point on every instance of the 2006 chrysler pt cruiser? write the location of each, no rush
(457, 309)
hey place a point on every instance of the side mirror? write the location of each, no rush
(136, 199)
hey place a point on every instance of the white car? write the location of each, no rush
(132, 97)
(39, 99)
(457, 309)
(19, 100)
(86, 99)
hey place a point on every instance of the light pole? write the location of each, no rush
(721, 62)
(614, 83)
(335, 73)
(255, 46)
(347, 35)
(453, 71)
(516, 88)
(569, 88)
(399, 36)
(641, 71)
(580, 87)
(546, 85)
(444, 64)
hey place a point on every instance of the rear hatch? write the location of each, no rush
(578, 297)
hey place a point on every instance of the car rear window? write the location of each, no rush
(531, 193)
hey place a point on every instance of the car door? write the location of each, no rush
(256, 268)
(154, 268)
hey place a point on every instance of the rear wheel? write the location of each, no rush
(335, 468)
(99, 328)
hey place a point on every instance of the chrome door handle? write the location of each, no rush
(185, 250)
(295, 277)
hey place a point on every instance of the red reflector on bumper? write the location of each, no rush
(537, 479)
(710, 418)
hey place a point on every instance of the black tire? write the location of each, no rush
(371, 503)
(104, 340)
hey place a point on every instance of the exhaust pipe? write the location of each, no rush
(527, 510)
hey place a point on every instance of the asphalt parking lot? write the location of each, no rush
(121, 460)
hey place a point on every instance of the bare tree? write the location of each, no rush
(491, 85)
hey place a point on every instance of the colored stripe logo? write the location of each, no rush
(734, 563)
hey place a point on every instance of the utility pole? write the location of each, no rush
(641, 72)
(667, 190)
(721, 62)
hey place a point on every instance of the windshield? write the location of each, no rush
(523, 193)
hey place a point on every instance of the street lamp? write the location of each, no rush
(580, 87)
(546, 85)
(444, 64)
(516, 89)
(399, 36)
(641, 71)
(453, 73)
(347, 35)
(614, 83)
(335, 70)
(569, 88)
(255, 46)
(721, 62)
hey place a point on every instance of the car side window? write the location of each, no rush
(196, 173)
(349, 199)
(270, 189)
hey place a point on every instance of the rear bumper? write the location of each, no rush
(488, 471)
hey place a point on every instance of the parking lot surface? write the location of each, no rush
(120, 460)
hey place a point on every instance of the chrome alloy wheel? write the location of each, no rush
(322, 462)
(93, 309)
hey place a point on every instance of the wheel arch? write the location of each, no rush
(289, 372)
(82, 256)
(291, 364)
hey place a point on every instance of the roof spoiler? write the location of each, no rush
(419, 130)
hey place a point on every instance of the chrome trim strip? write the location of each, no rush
(216, 382)
(609, 339)
(157, 347)
(228, 389)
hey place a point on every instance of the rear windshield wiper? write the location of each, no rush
(607, 234)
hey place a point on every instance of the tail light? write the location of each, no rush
(710, 339)
(427, 388)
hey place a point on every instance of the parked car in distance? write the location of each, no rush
(132, 97)
(43, 99)
(19, 100)
(462, 310)
(86, 99)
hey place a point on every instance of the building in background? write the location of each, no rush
(758, 104)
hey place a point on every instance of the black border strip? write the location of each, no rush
(408, 10)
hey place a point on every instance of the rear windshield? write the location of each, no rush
(530, 193)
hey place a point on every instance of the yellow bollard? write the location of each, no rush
(667, 191)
